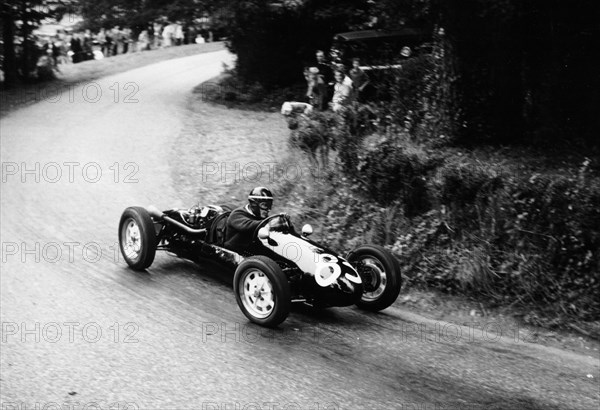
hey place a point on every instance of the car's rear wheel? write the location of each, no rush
(380, 273)
(137, 238)
(262, 291)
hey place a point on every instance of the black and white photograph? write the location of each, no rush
(300, 204)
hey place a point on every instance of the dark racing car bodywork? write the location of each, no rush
(283, 266)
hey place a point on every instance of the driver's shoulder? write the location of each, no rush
(242, 213)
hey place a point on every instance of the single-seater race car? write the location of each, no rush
(284, 267)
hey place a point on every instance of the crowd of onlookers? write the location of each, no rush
(75, 47)
(331, 86)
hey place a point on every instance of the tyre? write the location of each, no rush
(262, 291)
(137, 238)
(380, 273)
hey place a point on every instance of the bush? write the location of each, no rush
(522, 239)
(230, 90)
(421, 97)
(507, 236)
(392, 171)
(274, 40)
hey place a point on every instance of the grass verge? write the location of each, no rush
(513, 229)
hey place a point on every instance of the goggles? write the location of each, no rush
(266, 206)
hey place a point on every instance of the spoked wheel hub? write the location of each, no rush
(374, 278)
(132, 239)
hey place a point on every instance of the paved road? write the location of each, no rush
(79, 328)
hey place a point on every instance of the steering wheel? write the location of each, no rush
(267, 221)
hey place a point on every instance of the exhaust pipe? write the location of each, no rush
(158, 215)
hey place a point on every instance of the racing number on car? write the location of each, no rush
(327, 270)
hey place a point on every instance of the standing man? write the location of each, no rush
(324, 67)
(342, 93)
(317, 92)
(326, 72)
(359, 78)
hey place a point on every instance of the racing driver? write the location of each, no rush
(244, 220)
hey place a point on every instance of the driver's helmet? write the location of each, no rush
(260, 201)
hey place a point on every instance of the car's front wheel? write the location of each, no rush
(380, 273)
(262, 291)
(137, 238)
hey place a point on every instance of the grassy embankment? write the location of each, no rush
(515, 230)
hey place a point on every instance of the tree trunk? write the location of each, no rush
(9, 65)
(25, 61)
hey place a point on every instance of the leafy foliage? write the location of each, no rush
(19, 18)
(274, 41)
(137, 14)
(512, 235)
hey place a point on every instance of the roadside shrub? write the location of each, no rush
(507, 236)
(229, 90)
(344, 132)
(351, 128)
(393, 171)
(466, 188)
(421, 97)
(528, 240)
(312, 132)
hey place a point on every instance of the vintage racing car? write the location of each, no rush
(288, 267)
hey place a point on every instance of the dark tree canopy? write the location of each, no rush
(19, 18)
(525, 70)
(273, 40)
(138, 13)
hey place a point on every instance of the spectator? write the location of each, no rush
(360, 79)
(86, 44)
(326, 72)
(317, 89)
(126, 38)
(342, 92)
(293, 111)
(347, 80)
(294, 107)
(167, 35)
(56, 52)
(117, 40)
(158, 29)
(76, 49)
(191, 35)
(108, 45)
(101, 39)
(324, 67)
(143, 41)
(178, 34)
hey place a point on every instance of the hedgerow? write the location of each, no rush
(508, 235)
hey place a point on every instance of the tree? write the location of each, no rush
(19, 18)
(526, 70)
(137, 14)
(274, 40)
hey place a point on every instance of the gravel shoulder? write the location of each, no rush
(222, 153)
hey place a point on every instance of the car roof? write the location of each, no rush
(380, 34)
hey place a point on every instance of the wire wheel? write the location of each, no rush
(131, 240)
(375, 276)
